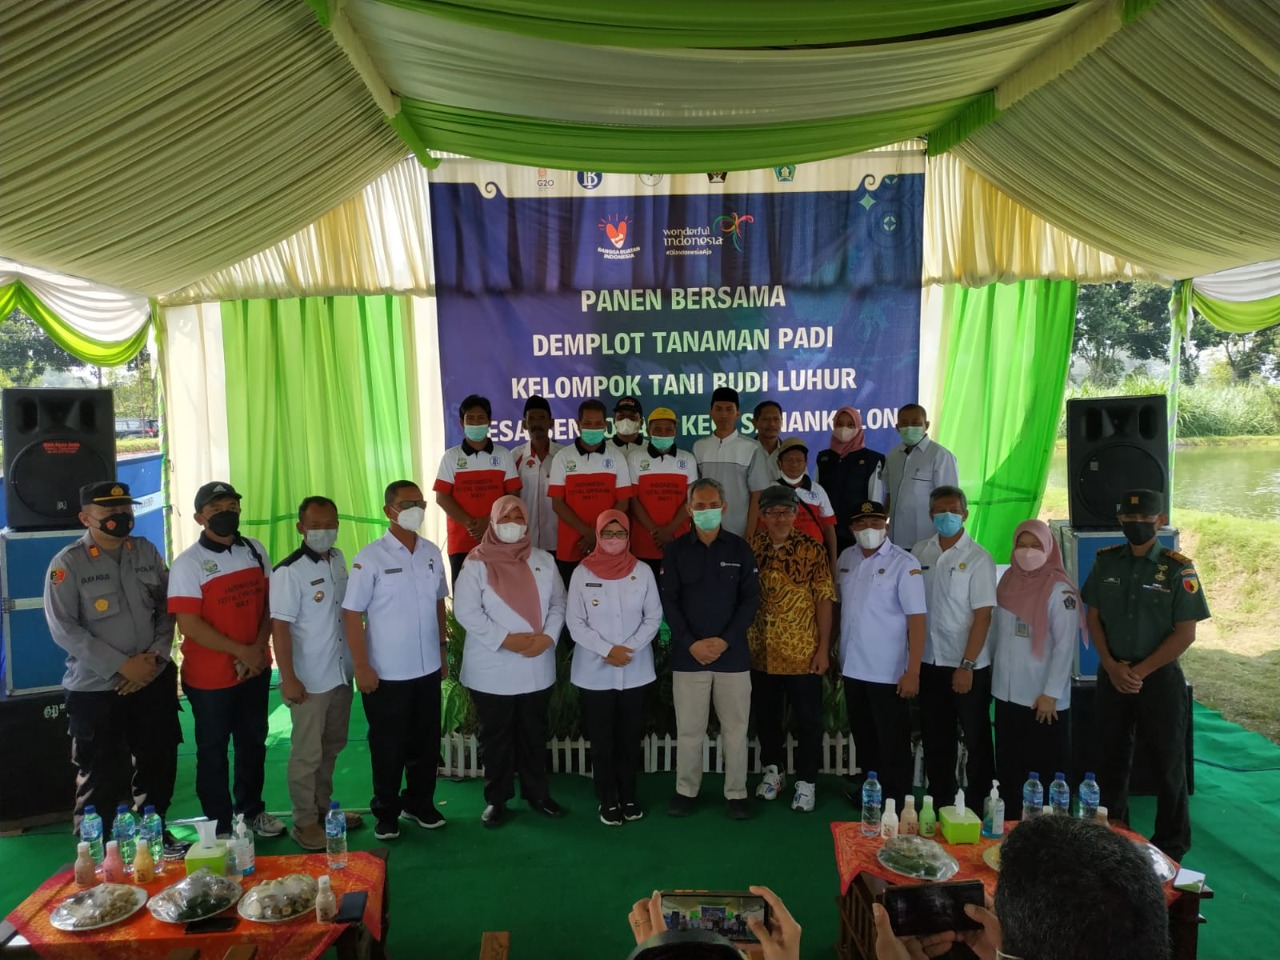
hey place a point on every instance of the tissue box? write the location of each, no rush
(966, 828)
(214, 858)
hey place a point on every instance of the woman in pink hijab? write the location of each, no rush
(1037, 624)
(510, 599)
(849, 472)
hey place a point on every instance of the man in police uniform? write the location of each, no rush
(104, 600)
(1144, 603)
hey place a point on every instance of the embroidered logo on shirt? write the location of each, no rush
(1191, 585)
(570, 466)
(1069, 602)
(210, 567)
(57, 575)
(462, 461)
(101, 604)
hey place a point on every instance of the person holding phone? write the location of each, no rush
(511, 601)
(613, 613)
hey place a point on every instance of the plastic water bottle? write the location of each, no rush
(871, 800)
(1060, 795)
(91, 833)
(1032, 796)
(335, 836)
(125, 833)
(152, 834)
(1090, 797)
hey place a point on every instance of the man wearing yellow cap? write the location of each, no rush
(662, 475)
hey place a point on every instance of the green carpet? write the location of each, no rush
(563, 888)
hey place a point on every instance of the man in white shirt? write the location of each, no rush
(738, 463)
(533, 465)
(307, 588)
(395, 621)
(955, 676)
(882, 629)
(912, 470)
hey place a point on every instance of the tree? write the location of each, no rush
(1115, 321)
(27, 352)
(1246, 354)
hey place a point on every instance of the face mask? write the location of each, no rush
(870, 538)
(843, 434)
(225, 524)
(612, 547)
(911, 435)
(626, 428)
(509, 532)
(794, 481)
(662, 444)
(948, 524)
(116, 524)
(708, 519)
(1029, 558)
(476, 432)
(321, 541)
(593, 438)
(1138, 532)
(411, 518)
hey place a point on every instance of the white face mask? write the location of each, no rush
(509, 532)
(625, 428)
(870, 538)
(843, 434)
(411, 518)
(794, 481)
(322, 541)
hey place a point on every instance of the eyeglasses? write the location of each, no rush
(779, 513)
(614, 535)
(406, 504)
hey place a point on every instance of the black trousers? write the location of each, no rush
(942, 710)
(125, 749)
(455, 566)
(803, 691)
(230, 716)
(880, 722)
(404, 744)
(1159, 711)
(513, 739)
(654, 565)
(1023, 744)
(614, 723)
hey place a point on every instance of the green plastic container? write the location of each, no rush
(964, 828)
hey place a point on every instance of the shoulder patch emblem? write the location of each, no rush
(1069, 602)
(916, 573)
(1191, 585)
(1114, 546)
(355, 566)
(57, 575)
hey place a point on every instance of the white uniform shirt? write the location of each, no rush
(486, 665)
(956, 583)
(908, 481)
(1016, 675)
(877, 594)
(397, 591)
(535, 476)
(602, 614)
(307, 592)
(740, 464)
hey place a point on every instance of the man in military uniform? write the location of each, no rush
(104, 600)
(1144, 603)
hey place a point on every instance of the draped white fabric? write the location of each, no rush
(92, 309)
(1255, 281)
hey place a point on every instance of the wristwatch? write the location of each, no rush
(968, 665)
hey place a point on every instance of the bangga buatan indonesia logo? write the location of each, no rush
(733, 225)
(617, 228)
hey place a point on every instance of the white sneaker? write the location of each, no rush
(265, 825)
(773, 782)
(803, 800)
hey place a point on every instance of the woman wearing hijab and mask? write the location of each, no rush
(613, 613)
(848, 471)
(1034, 633)
(510, 599)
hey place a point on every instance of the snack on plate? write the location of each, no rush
(97, 906)
(200, 895)
(917, 857)
(282, 899)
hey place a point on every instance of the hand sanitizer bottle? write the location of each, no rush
(889, 822)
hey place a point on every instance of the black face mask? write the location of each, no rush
(116, 524)
(225, 524)
(1138, 532)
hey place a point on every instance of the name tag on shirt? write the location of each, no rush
(1022, 629)
(394, 570)
(595, 584)
(316, 583)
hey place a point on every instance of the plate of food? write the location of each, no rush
(1162, 865)
(917, 857)
(196, 897)
(280, 900)
(97, 907)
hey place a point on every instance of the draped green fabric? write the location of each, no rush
(98, 353)
(722, 23)
(1008, 351)
(1236, 317)
(620, 149)
(317, 403)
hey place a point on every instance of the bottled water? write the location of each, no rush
(1032, 796)
(871, 800)
(125, 833)
(335, 836)
(1060, 795)
(91, 833)
(152, 834)
(1090, 797)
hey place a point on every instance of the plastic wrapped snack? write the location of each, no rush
(918, 858)
(285, 898)
(200, 895)
(98, 906)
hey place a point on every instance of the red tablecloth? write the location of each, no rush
(143, 937)
(856, 854)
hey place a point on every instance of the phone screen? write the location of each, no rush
(922, 909)
(720, 911)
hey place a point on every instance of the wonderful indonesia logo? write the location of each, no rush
(701, 241)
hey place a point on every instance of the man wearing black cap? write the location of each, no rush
(735, 461)
(1144, 603)
(218, 592)
(628, 417)
(104, 599)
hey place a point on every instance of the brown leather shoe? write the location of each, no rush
(354, 820)
(311, 837)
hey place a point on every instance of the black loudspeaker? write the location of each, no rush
(1114, 444)
(55, 441)
(38, 785)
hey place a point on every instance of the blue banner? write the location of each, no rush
(799, 285)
